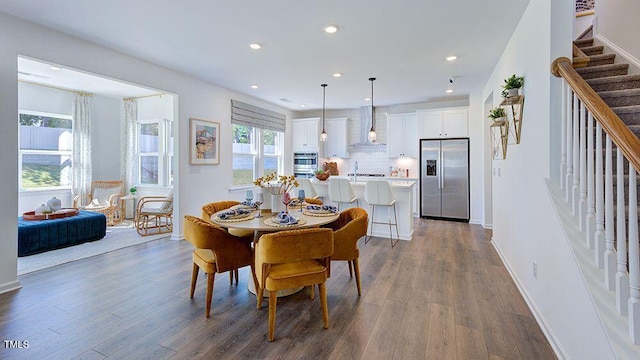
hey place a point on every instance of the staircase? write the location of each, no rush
(599, 177)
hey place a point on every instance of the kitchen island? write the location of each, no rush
(403, 191)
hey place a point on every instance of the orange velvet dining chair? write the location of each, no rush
(211, 208)
(216, 251)
(290, 259)
(350, 226)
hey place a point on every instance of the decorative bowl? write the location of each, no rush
(324, 176)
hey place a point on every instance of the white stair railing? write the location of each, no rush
(587, 179)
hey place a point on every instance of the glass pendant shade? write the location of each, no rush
(372, 132)
(372, 135)
(323, 135)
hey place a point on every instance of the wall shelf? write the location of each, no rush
(499, 139)
(514, 117)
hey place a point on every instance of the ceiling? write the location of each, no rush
(403, 43)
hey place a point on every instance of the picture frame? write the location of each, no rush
(204, 142)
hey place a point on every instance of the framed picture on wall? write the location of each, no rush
(204, 142)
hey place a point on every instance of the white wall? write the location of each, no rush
(617, 21)
(105, 138)
(526, 228)
(194, 185)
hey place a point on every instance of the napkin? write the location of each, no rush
(324, 208)
(329, 208)
(249, 203)
(230, 214)
(314, 207)
(284, 218)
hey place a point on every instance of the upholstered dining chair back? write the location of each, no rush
(350, 226)
(212, 208)
(290, 259)
(216, 251)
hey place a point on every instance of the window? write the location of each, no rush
(249, 159)
(45, 148)
(155, 152)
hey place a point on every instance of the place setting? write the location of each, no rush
(320, 210)
(284, 218)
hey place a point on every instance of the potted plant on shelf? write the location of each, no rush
(133, 190)
(512, 86)
(497, 114)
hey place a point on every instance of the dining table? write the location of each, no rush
(267, 221)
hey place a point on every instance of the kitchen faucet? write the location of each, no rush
(355, 172)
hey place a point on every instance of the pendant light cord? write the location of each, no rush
(373, 116)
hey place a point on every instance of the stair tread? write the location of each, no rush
(594, 48)
(613, 79)
(583, 42)
(626, 109)
(597, 68)
(619, 93)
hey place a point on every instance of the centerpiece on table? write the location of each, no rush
(277, 186)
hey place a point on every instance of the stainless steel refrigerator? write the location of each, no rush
(444, 178)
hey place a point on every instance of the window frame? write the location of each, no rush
(164, 154)
(258, 153)
(22, 152)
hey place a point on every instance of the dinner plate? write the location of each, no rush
(243, 217)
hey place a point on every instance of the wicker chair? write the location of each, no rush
(154, 215)
(104, 198)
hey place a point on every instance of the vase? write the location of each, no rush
(54, 204)
(42, 209)
(276, 203)
(513, 92)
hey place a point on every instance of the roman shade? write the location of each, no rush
(250, 115)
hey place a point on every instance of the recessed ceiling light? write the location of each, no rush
(255, 46)
(330, 29)
(449, 91)
(336, 75)
(254, 86)
(54, 68)
(451, 58)
(303, 105)
(367, 99)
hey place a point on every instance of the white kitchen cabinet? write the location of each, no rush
(402, 135)
(305, 135)
(443, 123)
(336, 144)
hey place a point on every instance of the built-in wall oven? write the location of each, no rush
(305, 164)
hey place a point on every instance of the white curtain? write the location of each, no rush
(128, 147)
(81, 163)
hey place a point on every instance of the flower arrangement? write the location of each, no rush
(275, 184)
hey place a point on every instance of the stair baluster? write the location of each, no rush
(634, 261)
(622, 279)
(569, 172)
(591, 206)
(582, 204)
(598, 242)
(563, 136)
(575, 190)
(608, 256)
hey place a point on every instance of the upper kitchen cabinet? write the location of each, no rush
(336, 144)
(402, 135)
(443, 123)
(305, 135)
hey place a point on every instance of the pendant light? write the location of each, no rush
(323, 134)
(372, 131)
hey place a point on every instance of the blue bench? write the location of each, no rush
(44, 235)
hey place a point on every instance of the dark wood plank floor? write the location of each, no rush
(444, 295)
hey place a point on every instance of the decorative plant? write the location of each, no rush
(133, 190)
(497, 113)
(277, 184)
(513, 82)
(319, 172)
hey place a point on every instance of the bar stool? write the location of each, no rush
(309, 190)
(379, 193)
(340, 191)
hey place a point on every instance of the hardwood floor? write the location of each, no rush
(443, 295)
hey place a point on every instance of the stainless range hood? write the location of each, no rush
(363, 144)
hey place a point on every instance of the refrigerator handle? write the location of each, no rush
(440, 179)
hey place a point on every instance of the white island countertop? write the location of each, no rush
(403, 191)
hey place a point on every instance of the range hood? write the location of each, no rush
(363, 144)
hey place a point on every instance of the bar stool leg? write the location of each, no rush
(395, 215)
(373, 213)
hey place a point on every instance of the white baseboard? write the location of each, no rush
(548, 333)
(10, 286)
(618, 50)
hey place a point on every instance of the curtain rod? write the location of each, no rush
(141, 97)
(57, 88)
